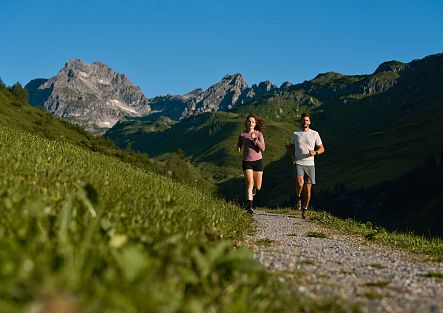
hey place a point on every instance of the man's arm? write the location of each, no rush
(291, 151)
(320, 150)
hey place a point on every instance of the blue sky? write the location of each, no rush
(176, 46)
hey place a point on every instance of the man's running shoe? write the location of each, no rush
(304, 213)
(297, 203)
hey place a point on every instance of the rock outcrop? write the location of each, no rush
(96, 97)
(91, 95)
(231, 91)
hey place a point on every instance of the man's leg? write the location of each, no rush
(298, 191)
(307, 198)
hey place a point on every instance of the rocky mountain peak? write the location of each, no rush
(97, 97)
(92, 95)
(391, 66)
(77, 68)
(75, 64)
(327, 76)
(194, 93)
(232, 90)
(236, 80)
(237, 77)
(263, 86)
(285, 85)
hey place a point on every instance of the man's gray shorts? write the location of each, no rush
(308, 172)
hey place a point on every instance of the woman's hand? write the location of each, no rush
(253, 136)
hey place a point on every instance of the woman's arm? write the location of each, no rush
(260, 142)
(239, 143)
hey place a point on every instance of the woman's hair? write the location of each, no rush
(260, 124)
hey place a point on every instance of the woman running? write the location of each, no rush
(253, 144)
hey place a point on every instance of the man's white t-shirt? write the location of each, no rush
(303, 142)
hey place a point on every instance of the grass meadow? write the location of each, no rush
(85, 232)
(430, 248)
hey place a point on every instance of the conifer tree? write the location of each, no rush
(19, 92)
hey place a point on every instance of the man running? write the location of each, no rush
(305, 144)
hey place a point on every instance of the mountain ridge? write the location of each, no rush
(96, 97)
(370, 138)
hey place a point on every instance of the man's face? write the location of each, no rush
(305, 122)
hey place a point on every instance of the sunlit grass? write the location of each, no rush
(104, 236)
(378, 283)
(432, 248)
(438, 275)
(316, 234)
(264, 241)
(377, 266)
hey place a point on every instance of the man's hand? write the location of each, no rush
(320, 150)
(290, 149)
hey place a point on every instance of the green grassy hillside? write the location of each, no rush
(209, 142)
(354, 157)
(369, 137)
(89, 233)
(18, 114)
(385, 153)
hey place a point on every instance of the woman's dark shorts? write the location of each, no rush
(256, 166)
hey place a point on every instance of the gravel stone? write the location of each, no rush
(380, 278)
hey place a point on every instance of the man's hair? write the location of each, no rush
(305, 115)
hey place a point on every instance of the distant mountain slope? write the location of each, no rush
(375, 127)
(17, 114)
(378, 130)
(209, 142)
(96, 97)
(231, 91)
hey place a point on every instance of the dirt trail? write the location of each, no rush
(380, 278)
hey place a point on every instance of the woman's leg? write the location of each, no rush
(257, 179)
(249, 177)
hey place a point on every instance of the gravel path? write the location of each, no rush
(380, 278)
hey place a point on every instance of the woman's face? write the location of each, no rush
(251, 122)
